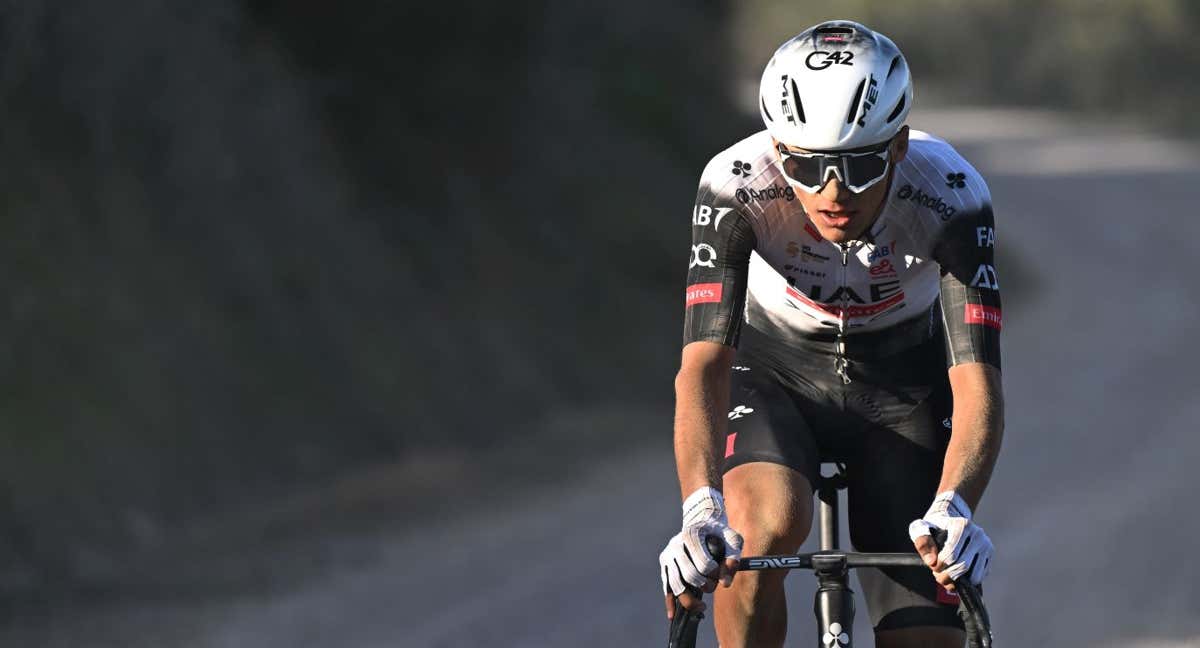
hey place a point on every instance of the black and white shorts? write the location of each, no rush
(890, 426)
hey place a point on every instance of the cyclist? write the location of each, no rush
(842, 305)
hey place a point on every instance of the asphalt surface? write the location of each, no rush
(1092, 507)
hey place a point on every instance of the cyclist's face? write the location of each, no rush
(841, 215)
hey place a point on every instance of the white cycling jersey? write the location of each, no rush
(755, 248)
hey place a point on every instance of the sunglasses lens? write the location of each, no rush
(864, 170)
(806, 171)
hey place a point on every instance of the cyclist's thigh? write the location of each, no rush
(770, 462)
(892, 480)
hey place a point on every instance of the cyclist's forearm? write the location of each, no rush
(701, 403)
(978, 428)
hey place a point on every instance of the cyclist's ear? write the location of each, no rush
(900, 144)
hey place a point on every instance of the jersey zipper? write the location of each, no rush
(839, 350)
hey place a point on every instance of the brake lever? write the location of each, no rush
(685, 623)
(970, 605)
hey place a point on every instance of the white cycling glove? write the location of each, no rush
(685, 561)
(967, 547)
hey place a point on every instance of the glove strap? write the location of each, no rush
(956, 504)
(705, 497)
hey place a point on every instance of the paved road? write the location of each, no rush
(1092, 508)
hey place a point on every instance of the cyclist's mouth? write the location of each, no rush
(837, 219)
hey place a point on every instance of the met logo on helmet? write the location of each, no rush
(872, 95)
(783, 100)
(815, 62)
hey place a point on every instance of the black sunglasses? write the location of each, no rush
(857, 171)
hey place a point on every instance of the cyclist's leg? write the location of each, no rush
(769, 466)
(887, 492)
(771, 506)
(891, 482)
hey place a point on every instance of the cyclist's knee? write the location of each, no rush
(770, 505)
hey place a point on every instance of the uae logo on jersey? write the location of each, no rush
(883, 297)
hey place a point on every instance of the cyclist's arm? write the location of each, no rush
(722, 241)
(978, 427)
(701, 403)
(971, 312)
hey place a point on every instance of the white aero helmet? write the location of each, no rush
(838, 85)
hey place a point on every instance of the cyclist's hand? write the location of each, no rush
(686, 562)
(967, 547)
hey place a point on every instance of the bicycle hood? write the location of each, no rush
(838, 85)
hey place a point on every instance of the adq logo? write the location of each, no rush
(702, 255)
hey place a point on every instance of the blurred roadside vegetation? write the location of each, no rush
(251, 245)
(1132, 59)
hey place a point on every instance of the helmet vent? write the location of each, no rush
(895, 62)
(896, 111)
(854, 102)
(796, 101)
(765, 111)
(833, 34)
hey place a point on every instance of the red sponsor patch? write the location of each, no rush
(812, 231)
(706, 293)
(729, 444)
(980, 314)
(946, 597)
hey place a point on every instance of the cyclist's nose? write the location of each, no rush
(834, 190)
